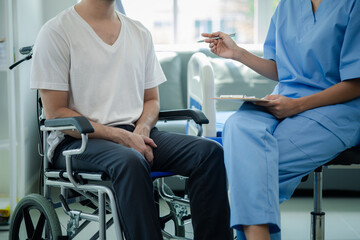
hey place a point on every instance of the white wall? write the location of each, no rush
(52, 7)
(4, 165)
(263, 13)
(27, 22)
(29, 16)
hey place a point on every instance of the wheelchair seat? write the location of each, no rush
(94, 176)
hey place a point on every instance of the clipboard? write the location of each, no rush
(241, 98)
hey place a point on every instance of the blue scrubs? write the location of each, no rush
(265, 157)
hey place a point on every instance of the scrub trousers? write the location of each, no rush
(266, 158)
(198, 158)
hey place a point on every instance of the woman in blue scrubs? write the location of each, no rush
(313, 50)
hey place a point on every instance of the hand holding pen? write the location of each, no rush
(218, 37)
(221, 44)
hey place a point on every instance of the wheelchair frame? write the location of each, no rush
(73, 184)
(71, 180)
(97, 193)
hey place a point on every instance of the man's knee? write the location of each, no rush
(211, 152)
(129, 162)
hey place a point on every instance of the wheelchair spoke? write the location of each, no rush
(164, 219)
(28, 222)
(34, 218)
(39, 227)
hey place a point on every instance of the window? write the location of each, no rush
(182, 21)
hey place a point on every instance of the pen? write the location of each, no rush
(231, 35)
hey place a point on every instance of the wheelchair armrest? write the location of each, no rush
(81, 123)
(184, 114)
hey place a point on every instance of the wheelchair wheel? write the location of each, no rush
(170, 215)
(34, 218)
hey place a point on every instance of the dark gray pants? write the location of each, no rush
(198, 158)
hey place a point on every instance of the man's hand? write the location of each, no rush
(142, 130)
(144, 125)
(140, 143)
(281, 106)
(144, 133)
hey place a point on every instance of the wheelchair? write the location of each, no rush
(35, 217)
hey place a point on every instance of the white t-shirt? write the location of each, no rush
(106, 83)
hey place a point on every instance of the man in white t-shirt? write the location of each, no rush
(92, 61)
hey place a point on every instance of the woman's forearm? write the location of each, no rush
(282, 107)
(264, 67)
(339, 93)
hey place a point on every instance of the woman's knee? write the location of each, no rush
(241, 128)
(239, 121)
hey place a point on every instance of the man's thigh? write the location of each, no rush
(181, 153)
(99, 155)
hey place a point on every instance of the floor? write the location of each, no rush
(342, 219)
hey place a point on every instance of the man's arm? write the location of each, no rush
(150, 112)
(56, 106)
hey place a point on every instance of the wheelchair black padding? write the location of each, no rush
(81, 123)
(184, 114)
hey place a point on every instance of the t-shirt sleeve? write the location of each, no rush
(154, 74)
(51, 61)
(270, 41)
(350, 50)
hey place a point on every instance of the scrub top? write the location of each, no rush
(315, 51)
